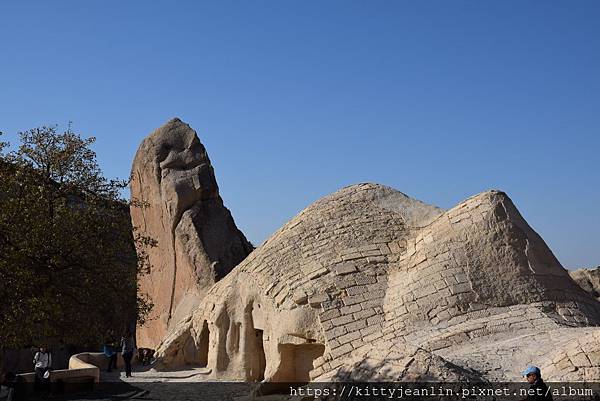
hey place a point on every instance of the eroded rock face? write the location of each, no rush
(198, 241)
(588, 279)
(370, 283)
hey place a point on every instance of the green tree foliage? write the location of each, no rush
(68, 263)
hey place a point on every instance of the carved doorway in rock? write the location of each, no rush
(203, 345)
(297, 360)
(261, 361)
(254, 350)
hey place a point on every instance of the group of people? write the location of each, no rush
(42, 361)
(125, 346)
(43, 365)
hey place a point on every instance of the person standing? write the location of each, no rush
(7, 386)
(127, 351)
(110, 350)
(42, 362)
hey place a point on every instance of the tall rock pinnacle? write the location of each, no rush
(198, 241)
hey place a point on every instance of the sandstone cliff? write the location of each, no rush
(198, 241)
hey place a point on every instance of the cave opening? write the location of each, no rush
(261, 365)
(297, 361)
(204, 345)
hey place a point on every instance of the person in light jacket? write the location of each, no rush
(42, 362)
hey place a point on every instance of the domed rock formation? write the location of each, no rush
(179, 206)
(369, 280)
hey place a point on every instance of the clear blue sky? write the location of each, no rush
(296, 99)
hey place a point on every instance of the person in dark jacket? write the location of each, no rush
(7, 386)
(127, 347)
(537, 388)
(110, 350)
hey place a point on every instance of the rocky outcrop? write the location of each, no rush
(368, 283)
(576, 360)
(178, 205)
(588, 279)
(368, 280)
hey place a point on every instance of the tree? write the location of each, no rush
(68, 263)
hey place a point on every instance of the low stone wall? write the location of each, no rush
(86, 364)
(98, 359)
(81, 366)
(85, 371)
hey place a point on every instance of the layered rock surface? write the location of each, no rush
(198, 242)
(588, 279)
(372, 284)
